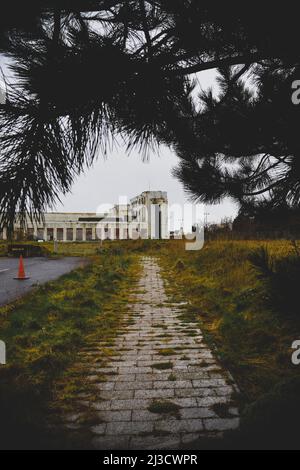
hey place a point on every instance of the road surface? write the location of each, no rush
(40, 271)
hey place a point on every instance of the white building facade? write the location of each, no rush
(146, 216)
(2, 93)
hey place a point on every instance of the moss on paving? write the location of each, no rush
(172, 377)
(225, 298)
(164, 406)
(45, 332)
(166, 352)
(162, 365)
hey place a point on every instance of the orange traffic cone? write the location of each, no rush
(21, 273)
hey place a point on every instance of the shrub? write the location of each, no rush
(280, 278)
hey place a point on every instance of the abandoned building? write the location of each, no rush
(146, 216)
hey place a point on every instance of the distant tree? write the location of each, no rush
(265, 217)
(87, 70)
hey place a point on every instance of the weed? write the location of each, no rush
(46, 331)
(164, 406)
(162, 365)
(221, 409)
(166, 352)
(172, 377)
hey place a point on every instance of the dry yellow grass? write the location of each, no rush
(226, 297)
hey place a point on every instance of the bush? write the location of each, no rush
(280, 278)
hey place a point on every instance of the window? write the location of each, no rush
(70, 234)
(79, 234)
(49, 234)
(89, 234)
(40, 233)
(60, 234)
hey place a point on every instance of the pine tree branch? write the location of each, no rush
(56, 29)
(145, 27)
(219, 63)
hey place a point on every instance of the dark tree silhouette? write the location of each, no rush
(266, 219)
(85, 71)
(245, 143)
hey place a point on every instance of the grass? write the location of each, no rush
(44, 334)
(237, 312)
(216, 287)
(3, 248)
(63, 249)
(172, 377)
(228, 301)
(166, 352)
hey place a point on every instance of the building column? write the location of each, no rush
(164, 220)
(74, 234)
(45, 233)
(4, 234)
(64, 234)
(93, 233)
(154, 221)
(55, 233)
(84, 234)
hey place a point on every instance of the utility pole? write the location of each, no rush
(206, 214)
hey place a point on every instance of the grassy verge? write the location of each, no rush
(252, 339)
(44, 334)
(216, 286)
(3, 248)
(62, 249)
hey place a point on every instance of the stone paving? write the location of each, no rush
(163, 387)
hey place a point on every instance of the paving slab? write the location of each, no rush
(166, 383)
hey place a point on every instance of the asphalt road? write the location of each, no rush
(40, 270)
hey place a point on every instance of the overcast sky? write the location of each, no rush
(126, 175)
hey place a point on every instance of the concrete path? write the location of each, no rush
(40, 271)
(163, 387)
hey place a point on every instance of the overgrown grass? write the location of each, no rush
(44, 333)
(280, 279)
(216, 287)
(62, 248)
(232, 304)
(3, 248)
